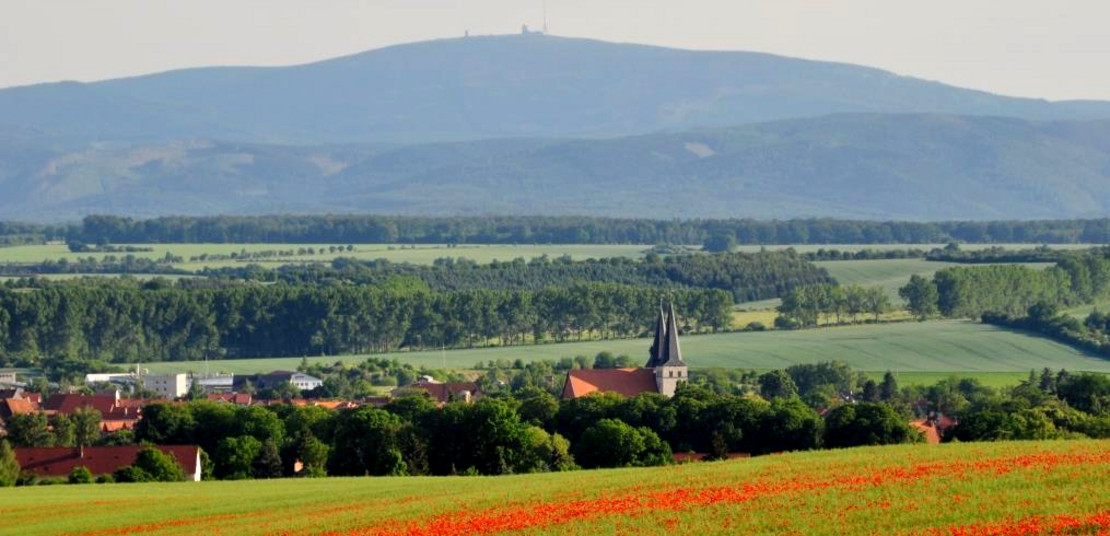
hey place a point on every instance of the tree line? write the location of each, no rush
(804, 306)
(747, 276)
(126, 321)
(355, 229)
(970, 292)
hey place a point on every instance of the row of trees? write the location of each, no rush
(747, 276)
(804, 306)
(559, 230)
(1010, 290)
(124, 321)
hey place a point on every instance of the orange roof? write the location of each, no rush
(932, 437)
(624, 381)
(17, 406)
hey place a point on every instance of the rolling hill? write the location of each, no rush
(868, 166)
(491, 87)
(1018, 487)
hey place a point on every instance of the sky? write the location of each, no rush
(1031, 48)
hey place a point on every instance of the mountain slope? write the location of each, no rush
(873, 166)
(491, 87)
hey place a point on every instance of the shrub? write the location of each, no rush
(80, 475)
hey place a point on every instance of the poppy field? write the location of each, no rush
(1024, 488)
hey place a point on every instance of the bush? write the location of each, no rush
(160, 466)
(785, 322)
(9, 465)
(131, 474)
(80, 475)
(755, 326)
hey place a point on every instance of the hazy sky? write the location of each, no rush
(1057, 49)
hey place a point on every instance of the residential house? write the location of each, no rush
(115, 413)
(442, 392)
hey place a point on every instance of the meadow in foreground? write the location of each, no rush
(1022, 488)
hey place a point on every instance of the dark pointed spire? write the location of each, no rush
(659, 343)
(672, 353)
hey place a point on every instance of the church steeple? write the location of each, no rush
(666, 355)
(672, 353)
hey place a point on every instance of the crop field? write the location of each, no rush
(418, 254)
(936, 347)
(1014, 488)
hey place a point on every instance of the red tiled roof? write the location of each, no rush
(624, 381)
(442, 392)
(67, 404)
(927, 429)
(59, 462)
(240, 399)
(16, 406)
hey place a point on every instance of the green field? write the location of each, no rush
(935, 347)
(1049, 487)
(419, 254)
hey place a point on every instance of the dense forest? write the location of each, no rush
(362, 229)
(125, 321)
(747, 276)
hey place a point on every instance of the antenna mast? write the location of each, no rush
(545, 17)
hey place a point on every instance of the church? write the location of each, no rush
(664, 369)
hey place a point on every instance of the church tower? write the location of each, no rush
(666, 355)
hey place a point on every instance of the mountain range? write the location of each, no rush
(537, 124)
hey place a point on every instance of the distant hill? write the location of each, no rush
(490, 87)
(874, 166)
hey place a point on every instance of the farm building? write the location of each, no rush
(662, 373)
(59, 462)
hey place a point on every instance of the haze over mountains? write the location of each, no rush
(543, 125)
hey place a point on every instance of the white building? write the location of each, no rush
(305, 382)
(170, 386)
(7, 377)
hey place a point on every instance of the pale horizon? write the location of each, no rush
(1026, 49)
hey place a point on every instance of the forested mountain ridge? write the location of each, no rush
(873, 166)
(491, 87)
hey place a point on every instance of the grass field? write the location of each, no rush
(420, 254)
(971, 489)
(933, 347)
